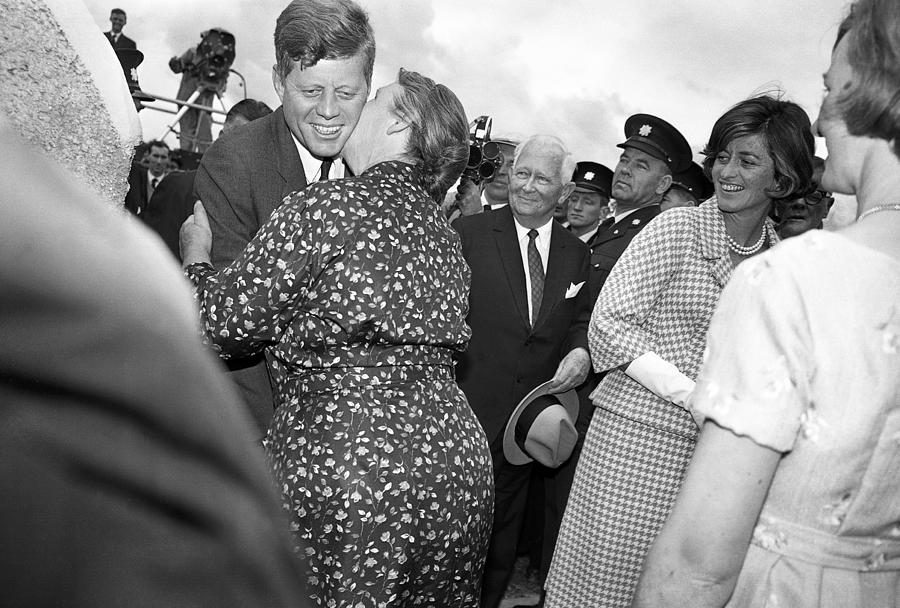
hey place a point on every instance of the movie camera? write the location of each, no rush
(485, 157)
(212, 61)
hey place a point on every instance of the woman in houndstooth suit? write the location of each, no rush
(794, 480)
(649, 329)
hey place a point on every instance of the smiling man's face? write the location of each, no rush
(322, 103)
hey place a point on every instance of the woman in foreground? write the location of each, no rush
(793, 495)
(357, 290)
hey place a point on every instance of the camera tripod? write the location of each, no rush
(191, 141)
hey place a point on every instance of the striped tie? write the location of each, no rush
(536, 272)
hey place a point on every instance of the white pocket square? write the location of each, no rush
(573, 290)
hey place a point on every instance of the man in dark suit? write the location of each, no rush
(173, 200)
(528, 325)
(144, 180)
(244, 177)
(653, 151)
(118, 40)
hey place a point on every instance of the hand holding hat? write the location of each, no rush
(542, 428)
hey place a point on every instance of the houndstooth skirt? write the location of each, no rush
(625, 485)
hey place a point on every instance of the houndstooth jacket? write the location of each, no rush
(660, 297)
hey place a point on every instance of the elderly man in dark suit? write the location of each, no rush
(528, 325)
(653, 151)
(118, 40)
(325, 53)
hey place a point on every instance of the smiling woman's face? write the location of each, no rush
(744, 174)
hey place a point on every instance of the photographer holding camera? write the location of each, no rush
(204, 70)
(489, 194)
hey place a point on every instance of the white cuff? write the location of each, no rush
(661, 378)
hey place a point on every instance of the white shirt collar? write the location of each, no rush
(543, 233)
(312, 165)
(485, 201)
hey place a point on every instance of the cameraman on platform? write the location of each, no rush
(203, 68)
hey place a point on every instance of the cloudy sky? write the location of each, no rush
(575, 68)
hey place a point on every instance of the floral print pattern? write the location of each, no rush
(357, 291)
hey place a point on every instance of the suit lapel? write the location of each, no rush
(507, 242)
(555, 277)
(287, 160)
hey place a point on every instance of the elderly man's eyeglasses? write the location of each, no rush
(817, 197)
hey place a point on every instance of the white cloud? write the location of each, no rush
(576, 68)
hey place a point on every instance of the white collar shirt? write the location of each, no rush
(486, 203)
(542, 242)
(312, 166)
(150, 178)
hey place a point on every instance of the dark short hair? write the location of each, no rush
(308, 31)
(155, 143)
(251, 109)
(119, 11)
(870, 106)
(786, 130)
(439, 132)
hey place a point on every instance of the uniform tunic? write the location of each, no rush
(357, 289)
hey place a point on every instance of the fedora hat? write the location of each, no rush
(542, 428)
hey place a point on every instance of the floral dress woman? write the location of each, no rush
(357, 291)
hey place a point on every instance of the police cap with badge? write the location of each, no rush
(659, 139)
(694, 181)
(593, 177)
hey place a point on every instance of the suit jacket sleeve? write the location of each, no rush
(617, 333)
(577, 336)
(225, 186)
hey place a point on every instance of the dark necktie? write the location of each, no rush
(326, 168)
(536, 272)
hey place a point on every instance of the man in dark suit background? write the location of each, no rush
(173, 199)
(528, 325)
(653, 151)
(143, 181)
(244, 177)
(118, 40)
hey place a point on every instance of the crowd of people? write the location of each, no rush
(703, 384)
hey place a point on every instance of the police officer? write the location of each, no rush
(689, 188)
(652, 153)
(588, 204)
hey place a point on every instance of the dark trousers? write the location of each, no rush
(510, 497)
(558, 482)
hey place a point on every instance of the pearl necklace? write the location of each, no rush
(877, 208)
(748, 250)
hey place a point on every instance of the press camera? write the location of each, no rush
(485, 157)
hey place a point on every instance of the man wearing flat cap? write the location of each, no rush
(588, 204)
(652, 153)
